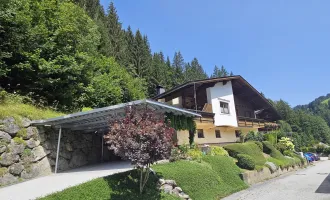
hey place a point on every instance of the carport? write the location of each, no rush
(97, 120)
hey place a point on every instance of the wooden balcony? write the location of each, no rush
(255, 123)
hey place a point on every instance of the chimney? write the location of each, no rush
(160, 89)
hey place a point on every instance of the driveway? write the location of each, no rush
(56, 182)
(312, 183)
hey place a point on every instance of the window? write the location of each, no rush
(224, 107)
(237, 133)
(200, 133)
(217, 134)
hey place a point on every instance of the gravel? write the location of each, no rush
(311, 183)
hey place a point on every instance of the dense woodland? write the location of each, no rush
(73, 54)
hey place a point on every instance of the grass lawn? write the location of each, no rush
(18, 110)
(215, 177)
(247, 148)
(115, 187)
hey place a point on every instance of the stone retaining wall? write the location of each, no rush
(252, 177)
(27, 152)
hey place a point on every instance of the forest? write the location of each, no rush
(73, 54)
(67, 55)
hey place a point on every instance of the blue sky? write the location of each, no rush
(281, 47)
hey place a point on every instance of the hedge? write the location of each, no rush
(246, 162)
(214, 178)
(276, 156)
(249, 148)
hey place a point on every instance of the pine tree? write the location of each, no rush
(178, 67)
(220, 72)
(117, 43)
(216, 71)
(223, 72)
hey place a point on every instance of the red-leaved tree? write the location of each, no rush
(142, 137)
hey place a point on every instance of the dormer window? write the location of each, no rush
(224, 107)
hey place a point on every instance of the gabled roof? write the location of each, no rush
(240, 86)
(99, 118)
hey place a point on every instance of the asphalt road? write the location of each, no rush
(312, 183)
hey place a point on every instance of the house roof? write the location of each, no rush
(98, 119)
(241, 88)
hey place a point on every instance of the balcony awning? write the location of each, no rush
(98, 119)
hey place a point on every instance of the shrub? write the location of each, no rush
(276, 156)
(286, 143)
(245, 161)
(218, 151)
(248, 148)
(326, 151)
(319, 148)
(254, 136)
(214, 178)
(271, 137)
(259, 144)
(195, 154)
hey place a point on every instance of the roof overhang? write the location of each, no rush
(248, 91)
(98, 119)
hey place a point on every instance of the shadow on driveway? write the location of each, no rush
(325, 186)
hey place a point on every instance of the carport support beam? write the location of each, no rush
(58, 148)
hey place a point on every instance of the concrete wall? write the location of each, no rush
(252, 177)
(214, 96)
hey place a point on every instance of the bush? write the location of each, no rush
(326, 151)
(259, 144)
(218, 151)
(248, 148)
(271, 137)
(286, 143)
(319, 148)
(245, 162)
(195, 154)
(254, 136)
(276, 156)
(214, 178)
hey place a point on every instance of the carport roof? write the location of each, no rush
(98, 119)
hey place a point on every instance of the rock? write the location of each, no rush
(31, 132)
(49, 146)
(168, 189)
(78, 159)
(8, 159)
(8, 179)
(38, 153)
(272, 167)
(25, 122)
(65, 154)
(9, 126)
(170, 182)
(5, 137)
(16, 168)
(161, 181)
(16, 148)
(2, 148)
(37, 169)
(68, 147)
(31, 143)
(162, 161)
(178, 189)
(183, 195)
(42, 137)
(63, 164)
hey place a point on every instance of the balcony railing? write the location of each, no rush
(255, 123)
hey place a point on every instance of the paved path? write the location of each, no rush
(56, 182)
(312, 183)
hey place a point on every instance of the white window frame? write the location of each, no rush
(224, 102)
